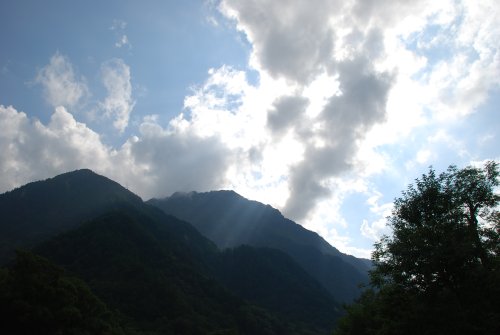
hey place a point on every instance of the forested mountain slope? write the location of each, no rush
(156, 273)
(230, 220)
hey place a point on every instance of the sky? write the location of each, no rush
(324, 109)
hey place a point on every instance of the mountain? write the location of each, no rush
(158, 273)
(230, 220)
(42, 209)
(272, 279)
(128, 260)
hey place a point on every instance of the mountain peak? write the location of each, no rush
(81, 171)
(43, 208)
(86, 175)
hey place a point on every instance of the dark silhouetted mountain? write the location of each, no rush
(157, 272)
(231, 220)
(128, 260)
(43, 209)
(271, 279)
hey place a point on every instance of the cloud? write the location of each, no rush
(118, 25)
(158, 163)
(346, 119)
(123, 41)
(61, 86)
(423, 156)
(373, 230)
(119, 103)
(345, 245)
(296, 42)
(118, 28)
(32, 150)
(291, 39)
(210, 12)
(378, 227)
(180, 161)
(457, 41)
(286, 113)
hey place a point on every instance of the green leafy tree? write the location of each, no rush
(438, 272)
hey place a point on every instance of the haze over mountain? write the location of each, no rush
(158, 273)
(230, 220)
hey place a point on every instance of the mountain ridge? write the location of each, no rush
(107, 236)
(231, 220)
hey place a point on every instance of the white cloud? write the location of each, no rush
(118, 27)
(31, 150)
(119, 103)
(123, 41)
(447, 64)
(179, 161)
(210, 6)
(377, 227)
(486, 138)
(423, 156)
(158, 163)
(61, 86)
(371, 93)
(454, 143)
(345, 244)
(296, 42)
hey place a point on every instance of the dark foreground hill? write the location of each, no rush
(154, 273)
(230, 220)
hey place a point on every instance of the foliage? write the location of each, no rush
(439, 271)
(37, 297)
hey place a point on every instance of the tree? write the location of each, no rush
(442, 227)
(439, 270)
(38, 297)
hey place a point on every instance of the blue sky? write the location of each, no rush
(170, 47)
(323, 109)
